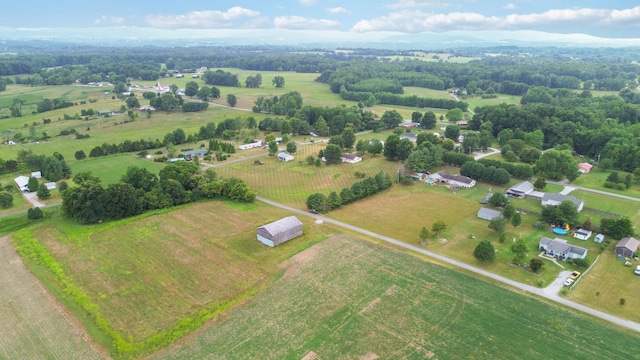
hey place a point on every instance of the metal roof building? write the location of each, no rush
(277, 232)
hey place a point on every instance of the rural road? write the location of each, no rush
(550, 294)
(482, 155)
(563, 183)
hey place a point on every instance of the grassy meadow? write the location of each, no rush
(153, 278)
(375, 302)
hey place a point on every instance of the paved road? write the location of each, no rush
(548, 293)
(563, 183)
(482, 155)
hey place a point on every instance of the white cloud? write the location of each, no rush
(104, 19)
(339, 10)
(302, 23)
(202, 19)
(560, 19)
(308, 2)
(405, 4)
(510, 6)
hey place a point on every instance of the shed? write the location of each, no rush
(36, 174)
(488, 214)
(627, 246)
(50, 185)
(582, 234)
(584, 168)
(277, 232)
(283, 156)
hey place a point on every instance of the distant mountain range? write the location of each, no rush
(306, 38)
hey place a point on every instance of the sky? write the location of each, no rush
(605, 19)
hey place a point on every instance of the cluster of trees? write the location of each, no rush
(517, 171)
(617, 228)
(396, 148)
(565, 213)
(194, 106)
(52, 167)
(286, 104)
(139, 191)
(49, 104)
(359, 190)
(254, 81)
(221, 146)
(615, 181)
(166, 102)
(220, 77)
(490, 174)
(372, 98)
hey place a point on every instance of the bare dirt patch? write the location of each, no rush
(370, 356)
(311, 356)
(442, 241)
(32, 324)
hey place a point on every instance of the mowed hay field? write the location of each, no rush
(346, 298)
(32, 324)
(153, 274)
(292, 182)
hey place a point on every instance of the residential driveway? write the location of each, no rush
(32, 198)
(567, 190)
(554, 288)
(547, 293)
(489, 153)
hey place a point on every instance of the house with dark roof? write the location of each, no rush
(520, 190)
(457, 180)
(277, 232)
(488, 214)
(351, 158)
(627, 246)
(561, 249)
(557, 199)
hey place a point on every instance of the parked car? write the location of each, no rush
(574, 275)
(568, 282)
(637, 270)
(599, 238)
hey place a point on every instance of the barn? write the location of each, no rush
(277, 232)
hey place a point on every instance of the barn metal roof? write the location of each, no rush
(282, 225)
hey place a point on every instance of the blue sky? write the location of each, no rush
(613, 19)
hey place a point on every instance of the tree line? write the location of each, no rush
(139, 191)
(359, 190)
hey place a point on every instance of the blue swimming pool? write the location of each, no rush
(431, 181)
(560, 231)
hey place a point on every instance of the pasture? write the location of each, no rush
(33, 325)
(608, 282)
(375, 302)
(595, 179)
(141, 283)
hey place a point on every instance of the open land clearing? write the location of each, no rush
(32, 324)
(156, 274)
(375, 301)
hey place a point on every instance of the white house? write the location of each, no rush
(253, 145)
(285, 157)
(560, 249)
(557, 199)
(582, 234)
(351, 158)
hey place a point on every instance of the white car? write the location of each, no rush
(637, 270)
(568, 282)
(599, 238)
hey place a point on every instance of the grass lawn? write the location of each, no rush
(608, 282)
(148, 276)
(373, 302)
(111, 168)
(596, 179)
(477, 101)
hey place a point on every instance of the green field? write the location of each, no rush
(153, 278)
(373, 302)
(596, 179)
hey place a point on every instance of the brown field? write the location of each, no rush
(32, 323)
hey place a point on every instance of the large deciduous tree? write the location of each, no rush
(556, 165)
(333, 154)
(391, 119)
(278, 81)
(485, 252)
(191, 88)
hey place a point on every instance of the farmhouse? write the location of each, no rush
(22, 182)
(488, 214)
(285, 157)
(459, 180)
(197, 152)
(556, 199)
(627, 247)
(351, 158)
(560, 249)
(582, 234)
(520, 190)
(277, 232)
(584, 168)
(462, 123)
(253, 145)
(411, 136)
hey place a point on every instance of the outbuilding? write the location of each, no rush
(582, 234)
(283, 156)
(520, 190)
(277, 232)
(488, 214)
(627, 246)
